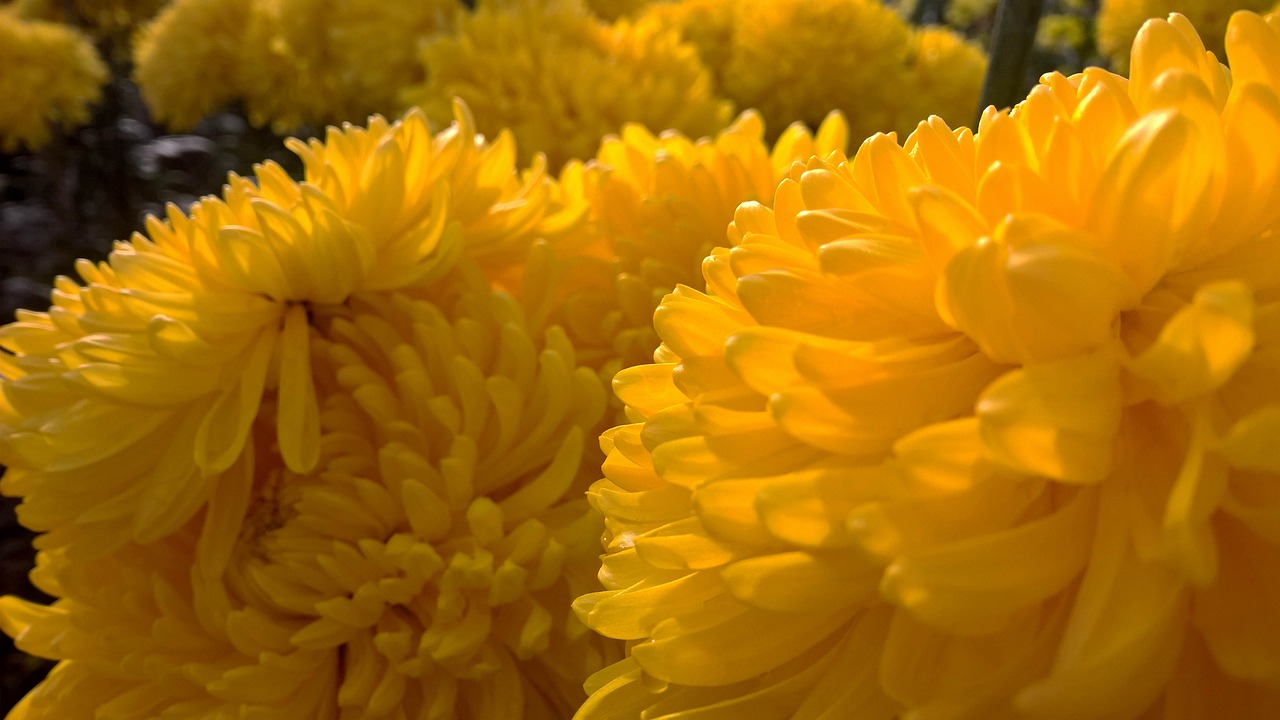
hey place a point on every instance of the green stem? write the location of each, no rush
(1011, 42)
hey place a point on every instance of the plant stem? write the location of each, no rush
(1011, 42)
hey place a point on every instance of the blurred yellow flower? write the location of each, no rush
(51, 76)
(983, 425)
(1119, 20)
(124, 404)
(292, 62)
(190, 39)
(560, 80)
(881, 73)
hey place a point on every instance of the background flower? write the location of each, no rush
(560, 80)
(52, 76)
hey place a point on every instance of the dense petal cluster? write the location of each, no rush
(51, 76)
(292, 455)
(560, 80)
(982, 425)
(657, 205)
(1119, 21)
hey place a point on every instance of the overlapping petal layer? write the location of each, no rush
(982, 425)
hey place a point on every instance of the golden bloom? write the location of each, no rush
(422, 568)
(882, 74)
(190, 39)
(657, 205)
(980, 426)
(51, 76)
(560, 80)
(126, 401)
(1119, 20)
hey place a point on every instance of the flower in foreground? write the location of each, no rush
(52, 75)
(560, 79)
(125, 402)
(984, 425)
(294, 456)
(422, 568)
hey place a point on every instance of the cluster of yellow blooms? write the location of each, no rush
(979, 425)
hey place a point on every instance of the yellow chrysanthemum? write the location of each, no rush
(980, 426)
(423, 568)
(658, 204)
(1119, 20)
(51, 76)
(880, 73)
(126, 402)
(561, 80)
(190, 39)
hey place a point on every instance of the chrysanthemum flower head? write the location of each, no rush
(294, 455)
(983, 425)
(52, 75)
(561, 80)
(1119, 21)
(657, 205)
(190, 38)
(124, 403)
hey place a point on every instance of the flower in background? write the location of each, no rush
(657, 206)
(560, 80)
(615, 9)
(705, 24)
(190, 38)
(881, 73)
(325, 466)
(52, 75)
(292, 62)
(1119, 21)
(982, 425)
(943, 76)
